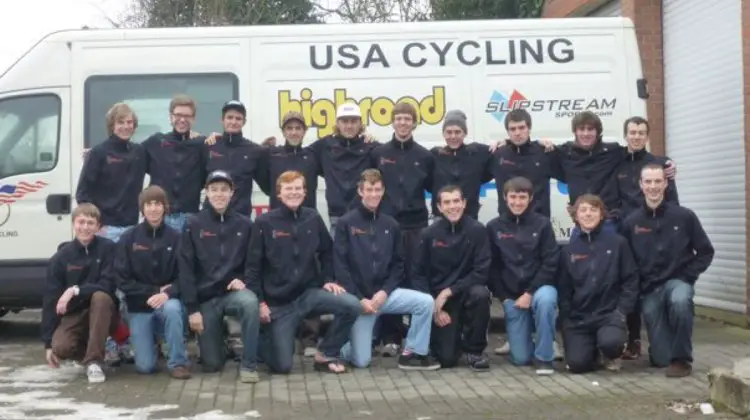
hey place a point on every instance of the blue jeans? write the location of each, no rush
(279, 335)
(112, 232)
(242, 304)
(400, 302)
(668, 312)
(521, 323)
(167, 321)
(609, 226)
(177, 221)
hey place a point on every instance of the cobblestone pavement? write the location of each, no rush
(30, 390)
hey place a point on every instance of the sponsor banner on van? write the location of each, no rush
(319, 108)
(566, 107)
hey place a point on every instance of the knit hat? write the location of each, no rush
(457, 118)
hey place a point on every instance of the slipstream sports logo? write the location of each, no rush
(499, 105)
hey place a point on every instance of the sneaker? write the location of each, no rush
(413, 361)
(126, 352)
(612, 365)
(558, 352)
(95, 373)
(478, 362)
(632, 351)
(310, 351)
(111, 353)
(389, 350)
(503, 350)
(544, 368)
(249, 376)
(180, 372)
(679, 370)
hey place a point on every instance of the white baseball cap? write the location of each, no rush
(348, 110)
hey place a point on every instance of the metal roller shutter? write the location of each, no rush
(704, 115)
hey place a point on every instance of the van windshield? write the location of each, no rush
(29, 134)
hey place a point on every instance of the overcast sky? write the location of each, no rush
(24, 22)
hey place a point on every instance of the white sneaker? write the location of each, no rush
(389, 350)
(95, 374)
(503, 350)
(310, 351)
(559, 355)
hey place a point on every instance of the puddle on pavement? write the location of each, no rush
(34, 393)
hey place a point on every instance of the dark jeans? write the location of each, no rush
(470, 318)
(391, 328)
(279, 335)
(634, 324)
(242, 304)
(668, 312)
(584, 339)
(80, 336)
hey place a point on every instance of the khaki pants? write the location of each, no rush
(81, 335)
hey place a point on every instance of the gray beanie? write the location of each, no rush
(455, 117)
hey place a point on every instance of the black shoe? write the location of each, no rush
(414, 361)
(478, 362)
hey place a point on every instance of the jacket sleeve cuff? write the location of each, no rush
(192, 308)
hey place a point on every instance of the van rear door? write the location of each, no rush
(35, 189)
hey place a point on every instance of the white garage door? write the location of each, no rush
(705, 134)
(609, 9)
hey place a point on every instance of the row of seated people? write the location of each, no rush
(275, 272)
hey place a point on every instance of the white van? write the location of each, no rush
(53, 100)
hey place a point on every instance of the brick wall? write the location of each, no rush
(646, 15)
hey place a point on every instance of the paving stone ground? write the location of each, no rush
(30, 390)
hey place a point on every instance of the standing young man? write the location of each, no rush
(406, 169)
(238, 156)
(113, 173)
(211, 267)
(290, 268)
(292, 156)
(672, 250)
(636, 130)
(460, 164)
(525, 258)
(79, 300)
(342, 157)
(176, 162)
(146, 273)
(369, 264)
(453, 264)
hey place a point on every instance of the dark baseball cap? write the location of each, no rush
(234, 105)
(219, 176)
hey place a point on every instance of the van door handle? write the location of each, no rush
(58, 203)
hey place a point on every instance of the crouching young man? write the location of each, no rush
(79, 305)
(672, 250)
(290, 267)
(211, 271)
(525, 259)
(146, 273)
(598, 287)
(369, 263)
(453, 264)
